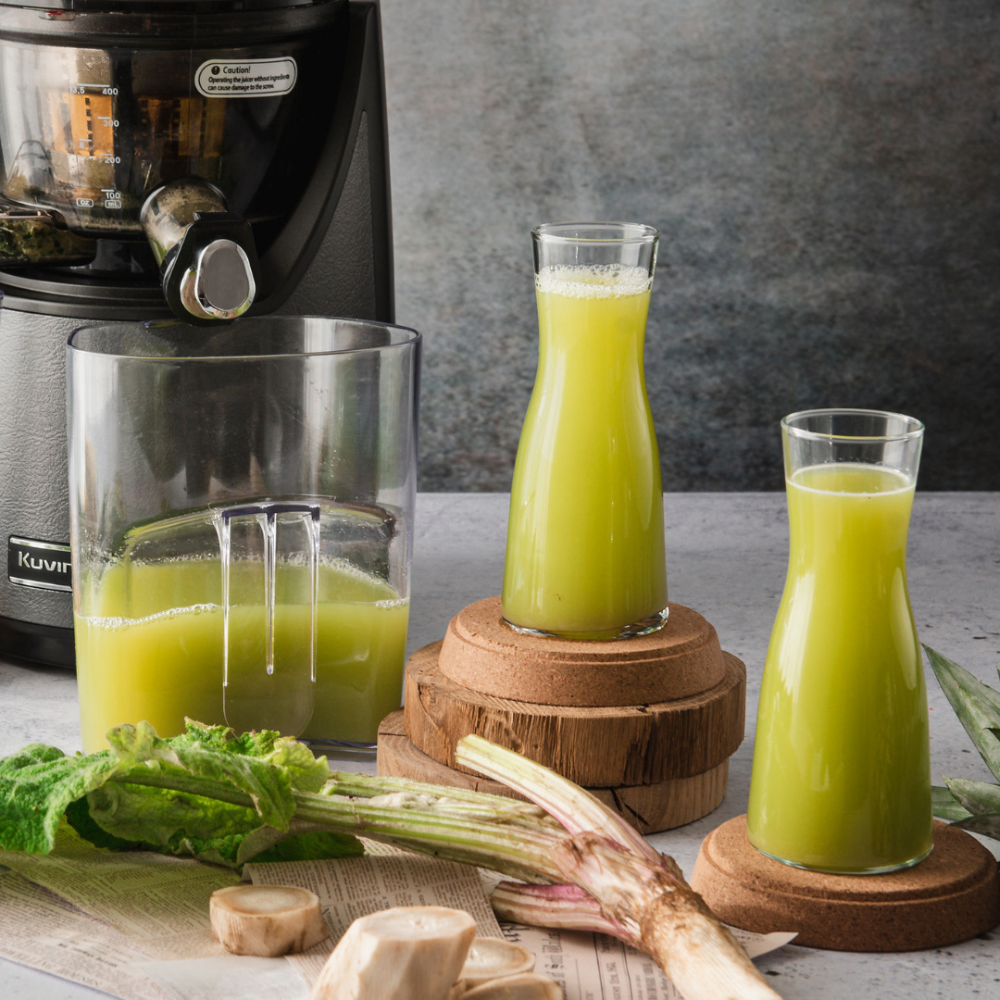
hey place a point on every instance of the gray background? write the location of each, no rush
(825, 176)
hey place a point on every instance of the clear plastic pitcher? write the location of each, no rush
(241, 521)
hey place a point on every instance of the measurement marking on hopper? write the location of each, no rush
(103, 88)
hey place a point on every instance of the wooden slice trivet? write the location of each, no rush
(595, 747)
(650, 808)
(951, 896)
(482, 652)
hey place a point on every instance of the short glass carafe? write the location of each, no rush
(841, 768)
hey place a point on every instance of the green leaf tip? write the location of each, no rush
(944, 805)
(976, 704)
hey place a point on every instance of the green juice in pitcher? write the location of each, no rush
(152, 648)
(841, 777)
(585, 552)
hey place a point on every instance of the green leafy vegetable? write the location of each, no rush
(971, 805)
(37, 784)
(206, 793)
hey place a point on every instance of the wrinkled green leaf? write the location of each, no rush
(79, 818)
(207, 793)
(944, 805)
(167, 832)
(316, 846)
(976, 705)
(37, 784)
(267, 844)
(306, 772)
(157, 815)
(269, 787)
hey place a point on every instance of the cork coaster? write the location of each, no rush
(649, 808)
(597, 747)
(951, 896)
(482, 652)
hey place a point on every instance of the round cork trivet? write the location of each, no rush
(482, 652)
(951, 896)
(602, 747)
(649, 808)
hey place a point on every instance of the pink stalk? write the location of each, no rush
(567, 907)
(574, 807)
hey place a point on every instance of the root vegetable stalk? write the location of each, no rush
(586, 867)
(266, 920)
(405, 953)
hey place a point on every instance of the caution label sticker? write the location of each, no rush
(250, 78)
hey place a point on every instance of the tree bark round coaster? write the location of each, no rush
(482, 652)
(605, 747)
(650, 808)
(951, 896)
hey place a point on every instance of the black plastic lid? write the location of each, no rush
(162, 23)
(159, 6)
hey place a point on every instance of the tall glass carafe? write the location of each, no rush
(585, 552)
(841, 770)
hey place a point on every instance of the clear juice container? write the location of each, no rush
(841, 768)
(241, 522)
(585, 545)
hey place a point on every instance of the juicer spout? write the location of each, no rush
(206, 254)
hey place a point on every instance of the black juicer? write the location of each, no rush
(198, 159)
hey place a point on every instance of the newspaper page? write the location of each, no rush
(159, 903)
(235, 977)
(126, 922)
(592, 966)
(597, 967)
(353, 887)
(587, 966)
(43, 931)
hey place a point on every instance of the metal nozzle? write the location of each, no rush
(220, 284)
(206, 254)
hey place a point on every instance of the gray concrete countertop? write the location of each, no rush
(726, 559)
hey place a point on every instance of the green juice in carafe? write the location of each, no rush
(585, 552)
(841, 775)
(152, 648)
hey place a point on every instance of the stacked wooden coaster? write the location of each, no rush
(648, 724)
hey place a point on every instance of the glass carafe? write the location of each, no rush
(841, 770)
(585, 550)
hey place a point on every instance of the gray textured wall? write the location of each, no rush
(825, 175)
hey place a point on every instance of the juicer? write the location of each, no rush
(197, 160)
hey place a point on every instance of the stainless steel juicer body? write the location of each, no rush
(104, 106)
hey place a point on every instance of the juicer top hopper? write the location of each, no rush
(144, 140)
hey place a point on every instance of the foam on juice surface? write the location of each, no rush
(120, 623)
(856, 478)
(593, 281)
